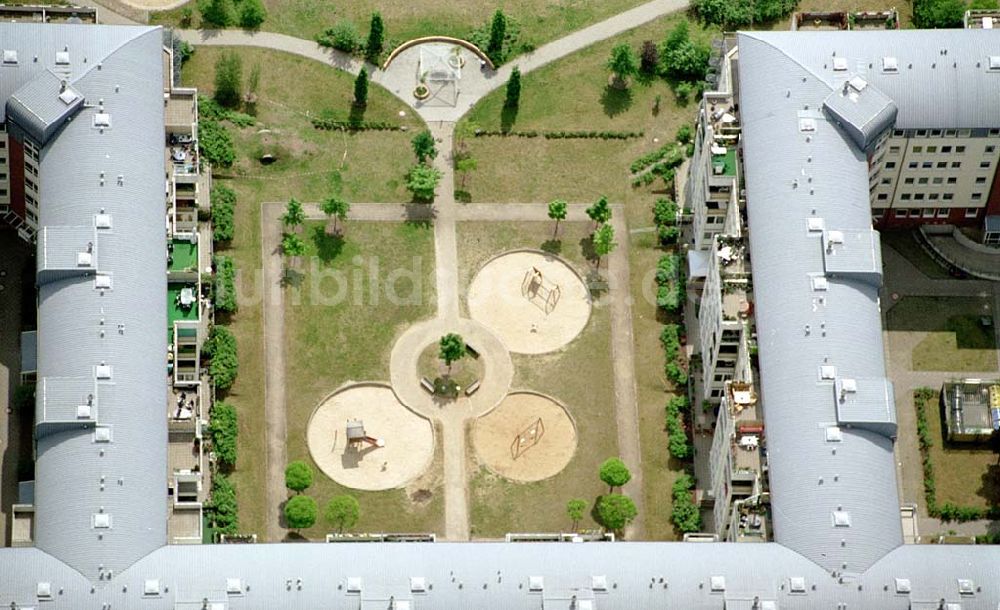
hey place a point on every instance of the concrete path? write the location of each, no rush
(274, 367)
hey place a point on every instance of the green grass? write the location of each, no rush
(905, 244)
(176, 313)
(727, 160)
(578, 375)
(540, 22)
(337, 332)
(965, 474)
(184, 256)
(362, 167)
(956, 339)
(572, 94)
(653, 390)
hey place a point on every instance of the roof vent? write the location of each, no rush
(889, 64)
(833, 434)
(903, 586)
(102, 282)
(68, 96)
(994, 62)
(966, 586)
(102, 221)
(819, 283)
(354, 584)
(807, 125)
(62, 58)
(536, 583)
(101, 521)
(44, 589)
(841, 518)
(83, 412)
(815, 225)
(103, 371)
(234, 586)
(151, 586)
(857, 83)
(102, 435)
(84, 259)
(827, 372)
(102, 119)
(718, 584)
(599, 582)
(848, 386)
(418, 584)
(797, 584)
(9, 57)
(840, 64)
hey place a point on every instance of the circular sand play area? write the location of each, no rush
(533, 301)
(527, 437)
(392, 445)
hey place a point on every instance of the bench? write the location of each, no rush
(427, 385)
(472, 351)
(473, 387)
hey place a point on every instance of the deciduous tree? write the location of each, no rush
(336, 209)
(343, 512)
(294, 215)
(423, 146)
(615, 473)
(298, 476)
(228, 79)
(623, 64)
(615, 511)
(452, 348)
(575, 509)
(300, 512)
(557, 212)
(604, 242)
(600, 211)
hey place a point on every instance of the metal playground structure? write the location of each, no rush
(527, 438)
(539, 291)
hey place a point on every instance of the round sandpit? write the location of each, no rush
(535, 302)
(527, 437)
(408, 439)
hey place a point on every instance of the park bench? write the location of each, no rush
(473, 387)
(427, 385)
(472, 351)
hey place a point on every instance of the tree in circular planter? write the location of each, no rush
(300, 512)
(615, 473)
(298, 476)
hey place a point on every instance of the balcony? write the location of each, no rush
(182, 255)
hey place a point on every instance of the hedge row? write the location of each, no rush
(220, 348)
(562, 135)
(224, 291)
(685, 514)
(947, 511)
(665, 218)
(336, 124)
(669, 155)
(223, 203)
(678, 444)
(223, 429)
(670, 283)
(221, 506)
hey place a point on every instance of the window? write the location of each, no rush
(942, 164)
(948, 196)
(918, 196)
(918, 149)
(908, 181)
(952, 179)
(890, 165)
(959, 149)
(922, 180)
(932, 149)
(984, 165)
(3, 192)
(901, 213)
(971, 212)
(943, 212)
(899, 133)
(905, 196)
(965, 133)
(927, 165)
(990, 149)
(995, 132)
(937, 180)
(935, 133)
(893, 150)
(977, 196)
(946, 149)
(933, 196)
(949, 133)
(980, 180)
(886, 180)
(928, 213)
(913, 165)
(882, 196)
(921, 133)
(956, 164)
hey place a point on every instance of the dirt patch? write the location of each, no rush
(528, 437)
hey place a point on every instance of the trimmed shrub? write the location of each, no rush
(224, 292)
(615, 473)
(300, 512)
(298, 476)
(223, 429)
(615, 511)
(223, 204)
(677, 443)
(220, 347)
(223, 512)
(215, 143)
(685, 514)
(343, 36)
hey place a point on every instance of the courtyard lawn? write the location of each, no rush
(572, 94)
(579, 376)
(539, 22)
(341, 319)
(965, 474)
(366, 166)
(653, 390)
(956, 340)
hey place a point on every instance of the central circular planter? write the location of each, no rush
(421, 92)
(450, 381)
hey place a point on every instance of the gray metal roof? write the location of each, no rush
(792, 176)
(85, 171)
(861, 109)
(43, 104)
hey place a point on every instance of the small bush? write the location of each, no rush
(677, 443)
(220, 347)
(216, 144)
(685, 135)
(421, 181)
(223, 429)
(343, 36)
(221, 507)
(300, 512)
(685, 514)
(224, 291)
(298, 476)
(252, 14)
